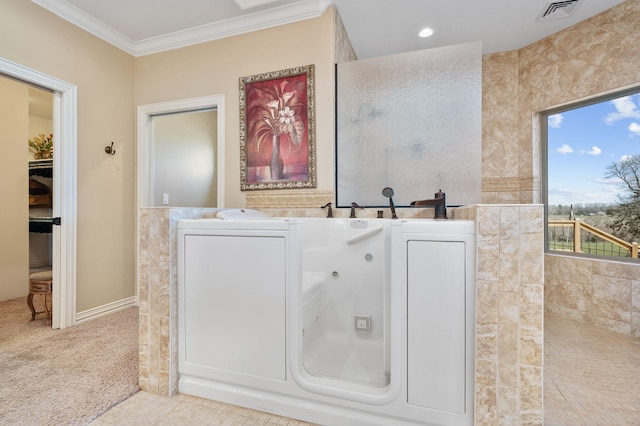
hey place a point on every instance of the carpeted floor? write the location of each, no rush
(64, 377)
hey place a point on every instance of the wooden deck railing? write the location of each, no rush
(578, 226)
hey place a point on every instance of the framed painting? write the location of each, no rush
(277, 130)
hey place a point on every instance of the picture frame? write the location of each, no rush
(277, 130)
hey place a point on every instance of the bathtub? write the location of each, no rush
(331, 321)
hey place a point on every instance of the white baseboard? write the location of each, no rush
(105, 309)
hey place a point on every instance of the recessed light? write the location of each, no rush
(425, 32)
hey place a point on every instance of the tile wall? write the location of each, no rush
(509, 313)
(157, 294)
(606, 293)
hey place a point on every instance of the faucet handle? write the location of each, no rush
(354, 205)
(330, 211)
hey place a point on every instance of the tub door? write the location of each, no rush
(233, 305)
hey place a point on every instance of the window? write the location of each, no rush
(592, 185)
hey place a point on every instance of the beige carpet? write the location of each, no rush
(64, 377)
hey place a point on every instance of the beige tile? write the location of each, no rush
(143, 235)
(570, 269)
(613, 269)
(612, 298)
(486, 400)
(487, 341)
(508, 342)
(591, 375)
(508, 405)
(635, 295)
(145, 408)
(532, 259)
(159, 239)
(531, 325)
(531, 390)
(143, 286)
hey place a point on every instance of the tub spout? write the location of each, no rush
(439, 202)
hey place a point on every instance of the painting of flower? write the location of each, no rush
(277, 130)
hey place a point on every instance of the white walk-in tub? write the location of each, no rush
(331, 321)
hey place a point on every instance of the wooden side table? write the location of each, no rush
(40, 283)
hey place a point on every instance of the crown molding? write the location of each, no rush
(88, 23)
(306, 9)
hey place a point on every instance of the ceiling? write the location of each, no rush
(375, 27)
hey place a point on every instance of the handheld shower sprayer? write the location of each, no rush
(388, 192)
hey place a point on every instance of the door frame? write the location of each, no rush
(145, 143)
(64, 250)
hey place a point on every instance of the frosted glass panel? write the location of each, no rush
(411, 121)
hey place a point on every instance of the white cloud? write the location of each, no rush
(625, 108)
(594, 151)
(555, 120)
(564, 149)
(572, 196)
(634, 128)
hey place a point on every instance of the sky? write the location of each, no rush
(583, 142)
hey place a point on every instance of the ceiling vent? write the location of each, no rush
(558, 9)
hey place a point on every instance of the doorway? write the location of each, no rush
(146, 152)
(63, 247)
(184, 159)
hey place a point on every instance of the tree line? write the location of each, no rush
(625, 215)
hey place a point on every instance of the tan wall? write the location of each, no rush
(14, 222)
(34, 37)
(39, 125)
(214, 68)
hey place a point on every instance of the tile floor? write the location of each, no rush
(146, 409)
(591, 375)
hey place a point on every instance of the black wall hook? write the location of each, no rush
(109, 149)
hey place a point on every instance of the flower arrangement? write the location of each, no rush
(41, 146)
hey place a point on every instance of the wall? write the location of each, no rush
(215, 67)
(606, 293)
(14, 226)
(35, 38)
(185, 151)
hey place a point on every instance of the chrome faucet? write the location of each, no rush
(330, 211)
(439, 202)
(388, 192)
(353, 210)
